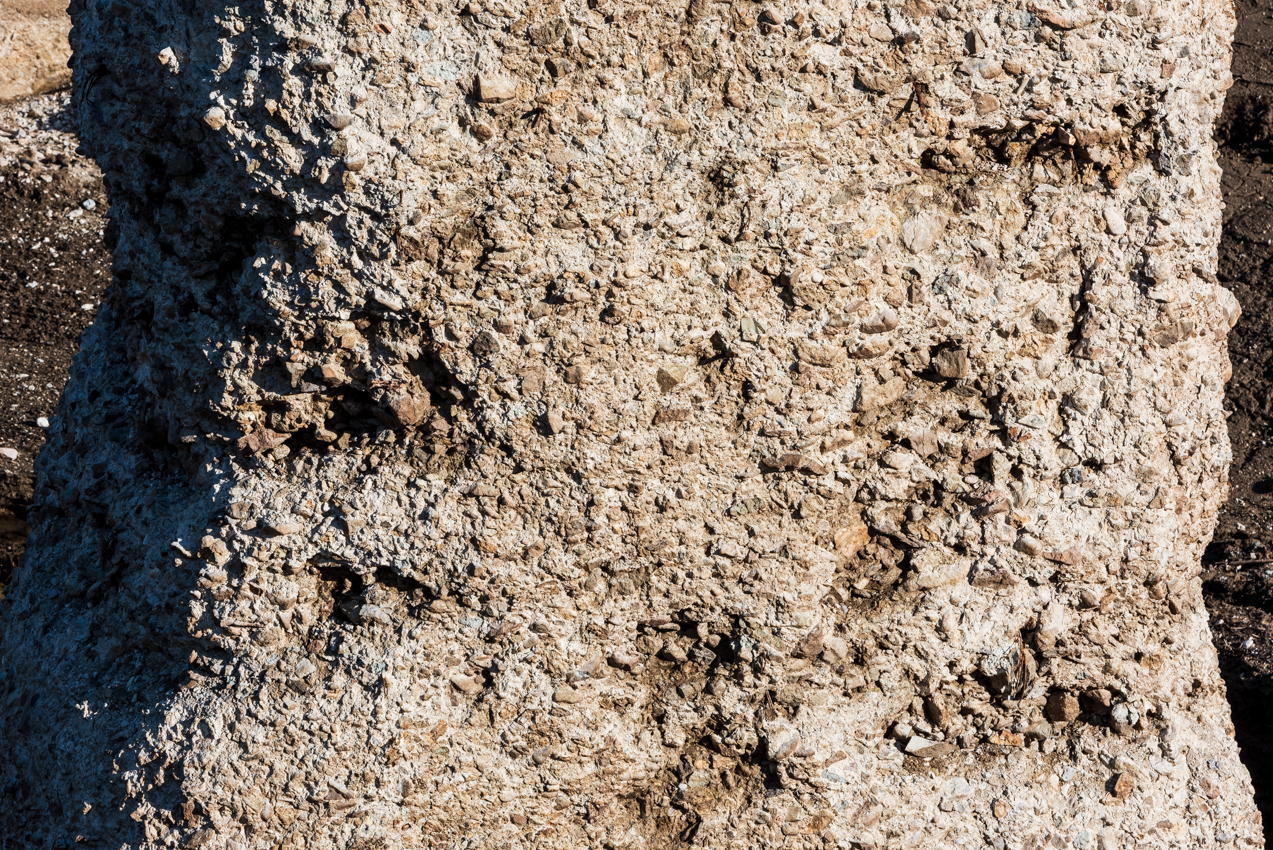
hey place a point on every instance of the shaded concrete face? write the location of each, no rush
(33, 47)
(608, 425)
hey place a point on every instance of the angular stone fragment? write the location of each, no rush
(921, 232)
(874, 395)
(819, 355)
(937, 567)
(495, 89)
(668, 377)
(882, 322)
(1062, 707)
(850, 539)
(925, 749)
(951, 362)
(409, 409)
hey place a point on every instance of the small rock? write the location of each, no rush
(926, 749)
(202, 838)
(1009, 669)
(1065, 19)
(648, 644)
(364, 614)
(810, 645)
(1007, 738)
(409, 409)
(793, 461)
(869, 349)
(672, 414)
(673, 652)
(851, 538)
(89, 204)
(921, 232)
(1028, 545)
(333, 374)
(1061, 707)
(937, 567)
(881, 322)
(818, 355)
(835, 649)
(577, 374)
(624, 661)
(782, 746)
(1097, 700)
(214, 550)
(1070, 557)
(41, 422)
(554, 421)
(873, 396)
(1123, 719)
(485, 345)
(491, 89)
(467, 684)
(1044, 321)
(938, 711)
(975, 42)
(568, 695)
(994, 580)
(670, 376)
(9, 454)
(951, 363)
(1114, 221)
(1122, 786)
(881, 32)
(923, 443)
(214, 118)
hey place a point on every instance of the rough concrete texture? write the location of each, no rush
(708, 424)
(33, 47)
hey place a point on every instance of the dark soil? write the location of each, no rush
(53, 269)
(1238, 566)
(51, 266)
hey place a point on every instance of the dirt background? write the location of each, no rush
(54, 268)
(1238, 566)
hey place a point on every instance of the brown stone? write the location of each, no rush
(1062, 707)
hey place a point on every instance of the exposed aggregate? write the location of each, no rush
(615, 426)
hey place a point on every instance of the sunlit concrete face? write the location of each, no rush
(616, 425)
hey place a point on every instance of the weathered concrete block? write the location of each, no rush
(622, 425)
